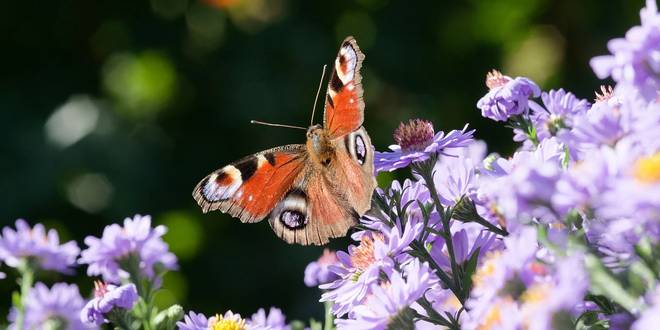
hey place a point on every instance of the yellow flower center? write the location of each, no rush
(647, 170)
(220, 323)
(487, 269)
(536, 294)
(492, 319)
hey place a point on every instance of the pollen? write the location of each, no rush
(363, 254)
(647, 169)
(233, 323)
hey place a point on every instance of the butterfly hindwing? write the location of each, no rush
(312, 212)
(324, 204)
(354, 168)
(344, 107)
(249, 188)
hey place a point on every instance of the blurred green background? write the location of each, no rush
(112, 108)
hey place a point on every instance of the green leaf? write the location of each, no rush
(589, 321)
(602, 302)
(650, 254)
(469, 268)
(604, 283)
(641, 278)
(167, 319)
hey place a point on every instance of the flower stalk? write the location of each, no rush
(26, 272)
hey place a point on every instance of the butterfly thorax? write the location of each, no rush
(319, 146)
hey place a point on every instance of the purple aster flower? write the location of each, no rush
(231, 320)
(193, 321)
(317, 272)
(357, 270)
(107, 297)
(442, 300)
(560, 108)
(507, 97)
(635, 60)
(525, 191)
(464, 246)
(136, 238)
(455, 180)
(604, 124)
(273, 320)
(410, 192)
(60, 305)
(636, 188)
(390, 303)
(581, 187)
(417, 143)
(35, 244)
(503, 275)
(545, 302)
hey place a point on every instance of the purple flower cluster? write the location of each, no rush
(131, 259)
(274, 319)
(107, 297)
(507, 97)
(318, 272)
(529, 241)
(417, 142)
(57, 307)
(107, 256)
(24, 244)
(635, 59)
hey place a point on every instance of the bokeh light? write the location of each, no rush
(72, 121)
(143, 84)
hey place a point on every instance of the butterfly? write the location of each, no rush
(309, 192)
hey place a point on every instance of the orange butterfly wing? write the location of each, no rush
(324, 204)
(312, 212)
(251, 187)
(344, 107)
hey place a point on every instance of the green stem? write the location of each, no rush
(118, 318)
(419, 248)
(329, 323)
(426, 171)
(143, 285)
(27, 279)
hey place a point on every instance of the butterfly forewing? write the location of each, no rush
(249, 188)
(344, 107)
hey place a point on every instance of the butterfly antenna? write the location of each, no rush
(318, 91)
(276, 125)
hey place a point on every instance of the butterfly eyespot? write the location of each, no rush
(360, 149)
(293, 219)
